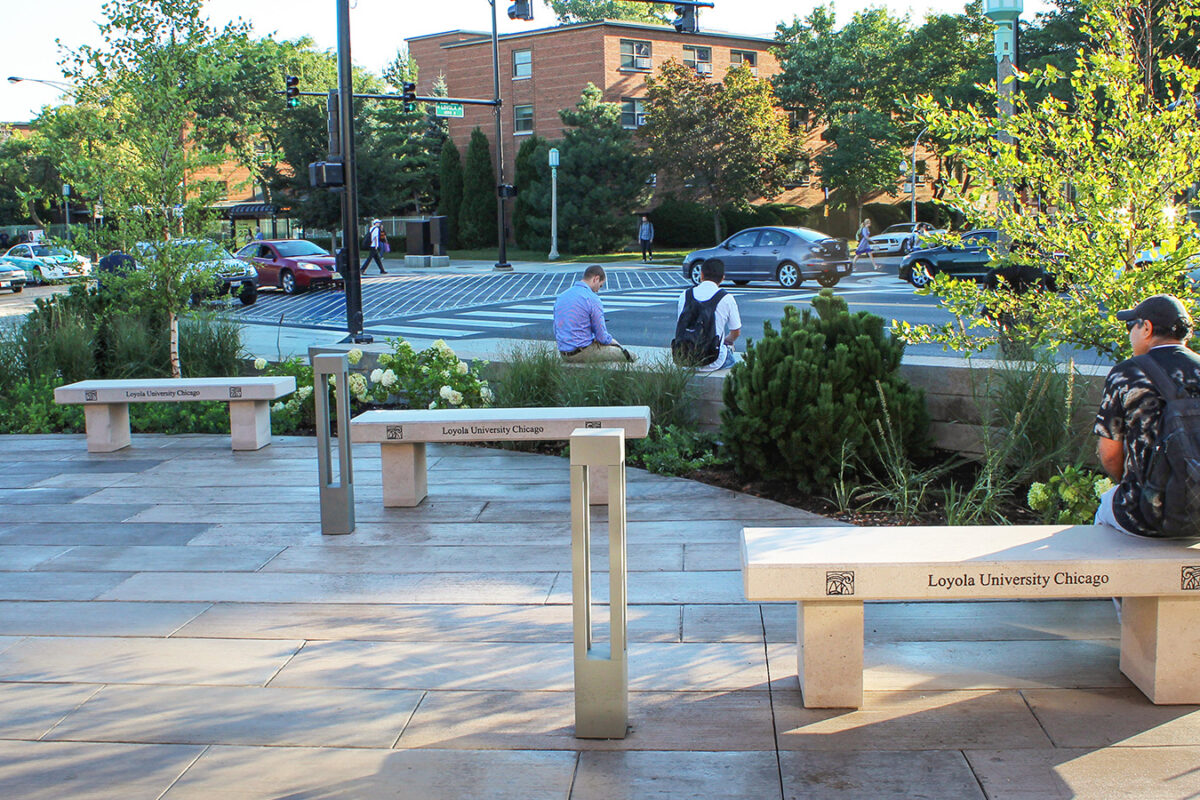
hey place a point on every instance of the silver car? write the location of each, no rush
(788, 255)
(899, 238)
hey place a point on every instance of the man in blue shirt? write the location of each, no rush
(579, 328)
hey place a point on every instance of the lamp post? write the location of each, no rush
(502, 264)
(1005, 14)
(553, 203)
(913, 175)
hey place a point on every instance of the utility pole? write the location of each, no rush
(348, 254)
(502, 264)
(1005, 14)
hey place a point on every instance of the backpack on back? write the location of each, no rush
(1170, 498)
(697, 342)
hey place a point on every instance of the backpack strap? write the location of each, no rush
(716, 298)
(1159, 377)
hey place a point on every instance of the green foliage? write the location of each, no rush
(1108, 156)
(450, 181)
(940, 215)
(477, 218)
(297, 412)
(567, 11)
(885, 214)
(681, 223)
(602, 180)
(535, 375)
(676, 450)
(1069, 498)
(432, 378)
(531, 199)
(729, 139)
(803, 393)
(864, 155)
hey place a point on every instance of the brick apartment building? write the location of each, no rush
(544, 70)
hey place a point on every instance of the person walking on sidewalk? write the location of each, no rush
(646, 239)
(864, 245)
(374, 243)
(579, 329)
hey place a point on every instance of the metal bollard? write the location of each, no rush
(337, 498)
(601, 672)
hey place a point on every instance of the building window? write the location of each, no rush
(744, 58)
(698, 58)
(635, 55)
(522, 64)
(633, 112)
(522, 119)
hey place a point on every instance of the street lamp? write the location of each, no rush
(1005, 14)
(63, 86)
(913, 175)
(553, 203)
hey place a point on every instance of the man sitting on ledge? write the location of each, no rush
(579, 328)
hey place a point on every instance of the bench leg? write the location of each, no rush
(1160, 647)
(405, 483)
(830, 653)
(250, 424)
(107, 427)
(598, 486)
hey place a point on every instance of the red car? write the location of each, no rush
(294, 265)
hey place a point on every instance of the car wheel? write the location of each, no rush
(248, 294)
(18, 289)
(921, 275)
(740, 283)
(788, 275)
(287, 282)
(828, 279)
(694, 273)
(905, 247)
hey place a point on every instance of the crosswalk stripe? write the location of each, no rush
(530, 315)
(454, 321)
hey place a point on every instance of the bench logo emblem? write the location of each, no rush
(1190, 578)
(839, 582)
(592, 424)
(395, 432)
(235, 391)
(90, 394)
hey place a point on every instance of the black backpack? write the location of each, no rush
(1170, 497)
(696, 342)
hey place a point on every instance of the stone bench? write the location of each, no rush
(402, 436)
(829, 572)
(106, 405)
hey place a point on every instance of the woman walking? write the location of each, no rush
(864, 245)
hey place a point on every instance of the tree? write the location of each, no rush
(1090, 184)
(602, 180)
(728, 140)
(477, 220)
(864, 156)
(567, 11)
(450, 179)
(531, 200)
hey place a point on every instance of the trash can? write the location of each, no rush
(439, 233)
(417, 235)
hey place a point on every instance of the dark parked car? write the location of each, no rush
(293, 265)
(788, 255)
(972, 258)
(231, 276)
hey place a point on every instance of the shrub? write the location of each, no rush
(676, 450)
(682, 223)
(432, 378)
(477, 217)
(790, 215)
(1069, 498)
(941, 215)
(886, 214)
(805, 394)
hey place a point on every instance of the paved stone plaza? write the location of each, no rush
(173, 625)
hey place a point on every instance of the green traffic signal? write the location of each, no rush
(292, 82)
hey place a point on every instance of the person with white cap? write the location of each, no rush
(1146, 415)
(374, 242)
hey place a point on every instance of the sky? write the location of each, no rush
(377, 28)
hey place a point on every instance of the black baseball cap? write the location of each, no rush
(1164, 311)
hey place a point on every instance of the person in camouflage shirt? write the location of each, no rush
(1128, 420)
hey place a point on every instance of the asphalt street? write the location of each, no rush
(639, 303)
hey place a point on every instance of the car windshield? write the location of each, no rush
(299, 247)
(42, 250)
(807, 234)
(903, 227)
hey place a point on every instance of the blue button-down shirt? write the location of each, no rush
(579, 319)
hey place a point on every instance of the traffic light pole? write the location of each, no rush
(502, 264)
(348, 255)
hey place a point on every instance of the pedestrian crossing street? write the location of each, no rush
(490, 320)
(497, 319)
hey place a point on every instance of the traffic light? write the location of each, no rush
(685, 19)
(409, 93)
(522, 9)
(293, 91)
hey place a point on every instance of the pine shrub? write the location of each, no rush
(450, 180)
(808, 393)
(477, 220)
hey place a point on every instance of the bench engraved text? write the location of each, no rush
(1037, 580)
(162, 393)
(497, 430)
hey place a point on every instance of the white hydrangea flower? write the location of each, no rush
(260, 364)
(333, 380)
(456, 398)
(445, 392)
(486, 394)
(462, 368)
(358, 385)
(305, 392)
(377, 375)
(433, 403)
(388, 378)
(278, 406)
(354, 356)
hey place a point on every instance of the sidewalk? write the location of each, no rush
(174, 625)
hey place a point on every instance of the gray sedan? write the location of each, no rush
(788, 255)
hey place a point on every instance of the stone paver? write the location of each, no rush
(164, 637)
